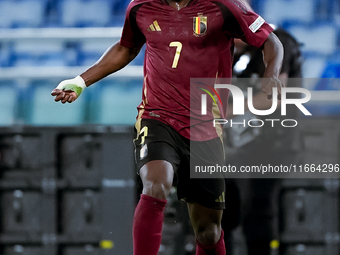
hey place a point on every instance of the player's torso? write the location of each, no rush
(181, 44)
(183, 41)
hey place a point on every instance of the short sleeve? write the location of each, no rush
(132, 36)
(239, 22)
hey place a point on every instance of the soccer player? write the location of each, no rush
(184, 39)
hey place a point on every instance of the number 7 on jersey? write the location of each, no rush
(178, 46)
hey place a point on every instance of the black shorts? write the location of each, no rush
(158, 141)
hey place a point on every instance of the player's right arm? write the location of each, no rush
(114, 59)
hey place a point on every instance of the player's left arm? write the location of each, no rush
(272, 58)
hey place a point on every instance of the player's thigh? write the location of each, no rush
(202, 216)
(156, 157)
(157, 177)
(157, 168)
(206, 223)
(207, 192)
(154, 141)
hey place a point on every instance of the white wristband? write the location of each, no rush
(77, 85)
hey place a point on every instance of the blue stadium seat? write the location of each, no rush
(326, 10)
(277, 11)
(44, 111)
(117, 20)
(313, 66)
(80, 13)
(332, 70)
(38, 53)
(8, 103)
(115, 101)
(22, 13)
(119, 7)
(331, 74)
(318, 38)
(71, 53)
(91, 50)
(5, 54)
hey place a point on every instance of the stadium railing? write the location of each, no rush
(29, 100)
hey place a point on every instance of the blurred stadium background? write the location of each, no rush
(45, 41)
(49, 208)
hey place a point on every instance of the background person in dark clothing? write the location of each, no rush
(257, 209)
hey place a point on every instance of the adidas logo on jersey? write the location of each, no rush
(154, 26)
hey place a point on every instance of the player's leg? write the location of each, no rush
(205, 197)
(157, 179)
(207, 227)
(156, 160)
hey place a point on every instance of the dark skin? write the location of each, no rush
(114, 59)
(272, 52)
(118, 56)
(260, 101)
(157, 175)
(178, 4)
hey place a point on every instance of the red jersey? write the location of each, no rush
(193, 42)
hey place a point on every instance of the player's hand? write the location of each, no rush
(69, 90)
(269, 83)
(64, 96)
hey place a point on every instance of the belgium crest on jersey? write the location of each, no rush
(200, 25)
